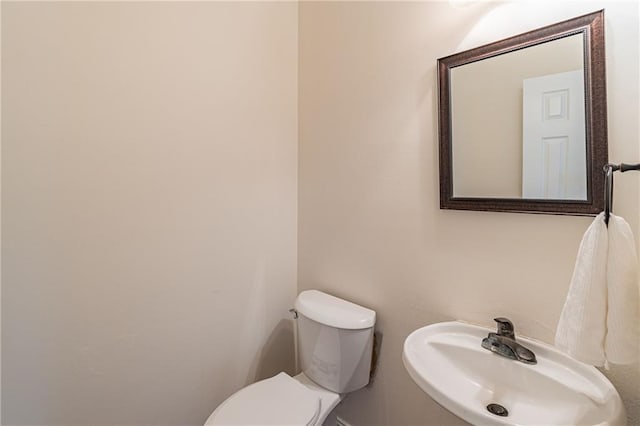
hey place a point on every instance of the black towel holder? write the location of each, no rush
(608, 184)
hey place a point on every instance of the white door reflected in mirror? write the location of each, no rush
(554, 163)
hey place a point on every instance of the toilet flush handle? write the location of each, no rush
(294, 312)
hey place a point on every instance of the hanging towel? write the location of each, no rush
(599, 322)
(582, 326)
(623, 316)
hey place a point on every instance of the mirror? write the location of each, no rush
(523, 122)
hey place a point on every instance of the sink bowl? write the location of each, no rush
(448, 363)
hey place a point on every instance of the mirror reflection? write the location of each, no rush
(528, 108)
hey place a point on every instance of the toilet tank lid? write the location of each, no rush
(333, 311)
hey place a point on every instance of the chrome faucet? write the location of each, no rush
(503, 342)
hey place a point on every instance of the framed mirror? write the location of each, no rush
(523, 122)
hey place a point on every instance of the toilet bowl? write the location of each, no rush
(335, 341)
(279, 400)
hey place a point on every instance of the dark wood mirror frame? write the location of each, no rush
(592, 28)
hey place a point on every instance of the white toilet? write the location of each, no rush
(335, 342)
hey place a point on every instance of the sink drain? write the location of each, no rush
(498, 410)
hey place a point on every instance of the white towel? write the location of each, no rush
(600, 321)
(623, 316)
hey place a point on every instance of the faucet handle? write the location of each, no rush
(505, 327)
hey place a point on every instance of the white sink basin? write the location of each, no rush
(448, 363)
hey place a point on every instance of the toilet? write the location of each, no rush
(335, 343)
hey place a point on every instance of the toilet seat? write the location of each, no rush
(280, 400)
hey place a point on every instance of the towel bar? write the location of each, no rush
(608, 184)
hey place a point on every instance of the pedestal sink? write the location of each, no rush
(448, 363)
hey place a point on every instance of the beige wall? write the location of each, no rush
(370, 229)
(149, 198)
(149, 207)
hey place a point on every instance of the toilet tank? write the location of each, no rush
(335, 341)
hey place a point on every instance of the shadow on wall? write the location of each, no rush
(277, 354)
